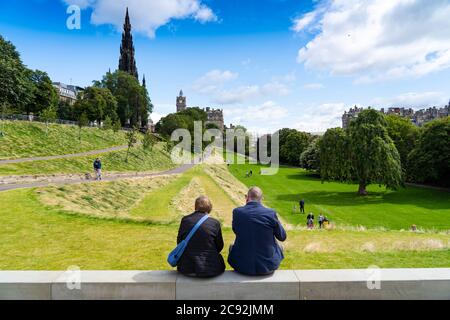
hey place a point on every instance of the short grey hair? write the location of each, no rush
(255, 194)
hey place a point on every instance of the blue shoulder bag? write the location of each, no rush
(176, 254)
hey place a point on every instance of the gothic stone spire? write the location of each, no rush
(127, 61)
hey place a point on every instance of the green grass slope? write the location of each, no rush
(29, 139)
(396, 210)
(36, 237)
(138, 160)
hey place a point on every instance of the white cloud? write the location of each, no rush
(301, 23)
(147, 16)
(378, 39)
(211, 81)
(313, 86)
(212, 84)
(262, 118)
(81, 3)
(217, 77)
(205, 14)
(415, 100)
(319, 118)
(157, 116)
(236, 95)
(275, 88)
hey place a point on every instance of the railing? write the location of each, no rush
(33, 118)
(375, 284)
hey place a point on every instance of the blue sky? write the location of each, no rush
(267, 63)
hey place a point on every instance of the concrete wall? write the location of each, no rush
(386, 284)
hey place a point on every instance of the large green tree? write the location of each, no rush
(404, 134)
(429, 162)
(373, 155)
(134, 104)
(15, 84)
(292, 146)
(97, 104)
(44, 95)
(182, 120)
(334, 156)
(310, 158)
(364, 153)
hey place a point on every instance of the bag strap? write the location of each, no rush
(195, 228)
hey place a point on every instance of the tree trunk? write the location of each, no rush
(128, 152)
(362, 188)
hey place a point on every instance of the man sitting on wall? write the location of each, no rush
(257, 228)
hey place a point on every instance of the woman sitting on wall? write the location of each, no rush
(202, 256)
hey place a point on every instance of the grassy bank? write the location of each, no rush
(35, 237)
(138, 160)
(29, 139)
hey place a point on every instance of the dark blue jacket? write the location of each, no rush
(256, 251)
(97, 164)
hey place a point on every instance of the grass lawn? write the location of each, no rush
(138, 160)
(38, 236)
(395, 210)
(29, 139)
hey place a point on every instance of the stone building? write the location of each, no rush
(214, 116)
(419, 118)
(423, 116)
(181, 102)
(402, 112)
(67, 93)
(349, 116)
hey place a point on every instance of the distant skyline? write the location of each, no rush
(268, 63)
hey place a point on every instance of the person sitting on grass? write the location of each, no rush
(201, 257)
(257, 228)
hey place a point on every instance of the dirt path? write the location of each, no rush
(66, 181)
(88, 153)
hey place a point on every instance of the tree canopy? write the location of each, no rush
(364, 153)
(292, 145)
(133, 103)
(310, 158)
(97, 104)
(44, 95)
(16, 87)
(404, 134)
(429, 161)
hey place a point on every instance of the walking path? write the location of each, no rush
(82, 154)
(65, 181)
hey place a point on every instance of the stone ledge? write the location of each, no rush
(396, 284)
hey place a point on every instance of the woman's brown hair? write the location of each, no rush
(203, 204)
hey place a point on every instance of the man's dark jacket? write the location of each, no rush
(202, 256)
(256, 251)
(97, 165)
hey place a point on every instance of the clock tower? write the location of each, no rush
(181, 102)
